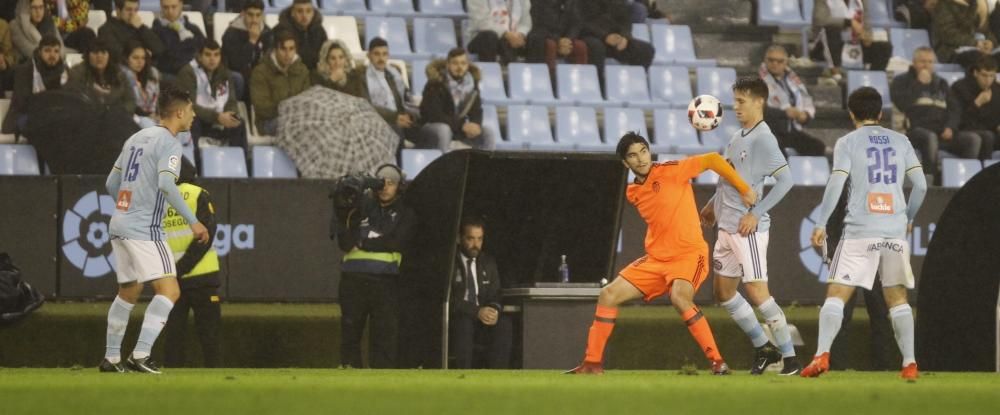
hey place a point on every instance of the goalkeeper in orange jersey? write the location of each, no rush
(676, 253)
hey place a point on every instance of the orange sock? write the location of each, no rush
(702, 333)
(604, 323)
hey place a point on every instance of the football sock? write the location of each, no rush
(600, 330)
(152, 323)
(779, 326)
(742, 313)
(831, 316)
(902, 325)
(702, 333)
(117, 322)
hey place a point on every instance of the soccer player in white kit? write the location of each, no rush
(740, 253)
(142, 179)
(875, 228)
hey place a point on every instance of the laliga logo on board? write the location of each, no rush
(86, 242)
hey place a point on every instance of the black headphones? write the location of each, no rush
(402, 175)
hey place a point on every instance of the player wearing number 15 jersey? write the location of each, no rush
(875, 159)
(142, 181)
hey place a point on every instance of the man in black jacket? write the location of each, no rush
(475, 318)
(47, 63)
(452, 123)
(306, 22)
(244, 43)
(372, 237)
(181, 39)
(126, 26)
(980, 112)
(607, 30)
(555, 33)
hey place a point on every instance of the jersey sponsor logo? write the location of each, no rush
(124, 200)
(86, 243)
(880, 203)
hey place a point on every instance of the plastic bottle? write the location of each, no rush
(563, 270)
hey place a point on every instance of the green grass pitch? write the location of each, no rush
(467, 392)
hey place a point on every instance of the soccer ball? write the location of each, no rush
(705, 112)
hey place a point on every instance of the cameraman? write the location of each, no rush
(371, 231)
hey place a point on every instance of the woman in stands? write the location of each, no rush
(144, 82)
(333, 67)
(101, 79)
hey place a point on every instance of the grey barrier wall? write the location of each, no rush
(274, 242)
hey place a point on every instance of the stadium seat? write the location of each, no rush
(419, 77)
(529, 82)
(577, 126)
(187, 151)
(72, 59)
(154, 5)
(718, 82)
(18, 160)
(874, 79)
(147, 17)
(491, 121)
(578, 85)
(433, 36)
(627, 85)
(4, 107)
(809, 171)
(951, 77)
(618, 121)
(272, 163)
(674, 44)
(345, 29)
(905, 41)
(672, 130)
(491, 87)
(220, 22)
(276, 6)
(195, 18)
(344, 7)
(990, 162)
(528, 128)
(641, 31)
(392, 7)
(414, 160)
(223, 162)
(781, 13)
(718, 138)
(271, 19)
(389, 28)
(955, 172)
(671, 85)
(450, 8)
(879, 14)
(96, 19)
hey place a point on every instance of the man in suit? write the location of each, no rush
(480, 336)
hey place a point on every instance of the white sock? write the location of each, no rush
(831, 316)
(742, 313)
(153, 322)
(118, 315)
(779, 326)
(902, 325)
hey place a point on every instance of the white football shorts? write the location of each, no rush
(856, 261)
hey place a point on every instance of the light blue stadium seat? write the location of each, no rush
(272, 163)
(388, 28)
(392, 8)
(874, 79)
(528, 128)
(223, 162)
(188, 152)
(674, 45)
(442, 8)
(951, 77)
(577, 126)
(879, 14)
(491, 121)
(154, 5)
(418, 77)
(718, 82)
(672, 130)
(433, 36)
(491, 88)
(344, 7)
(990, 162)
(905, 41)
(781, 13)
(956, 172)
(415, 160)
(578, 85)
(948, 67)
(641, 31)
(718, 138)
(809, 171)
(671, 85)
(618, 121)
(627, 85)
(529, 82)
(18, 160)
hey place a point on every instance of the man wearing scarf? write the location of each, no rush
(31, 23)
(500, 28)
(127, 26)
(279, 76)
(451, 107)
(70, 17)
(789, 105)
(181, 39)
(208, 82)
(44, 72)
(382, 85)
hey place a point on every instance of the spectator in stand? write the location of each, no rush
(144, 81)
(334, 67)
(915, 13)
(128, 27)
(931, 112)
(451, 108)
(277, 77)
(980, 112)
(382, 85)
(955, 26)
(499, 29)
(607, 30)
(32, 22)
(789, 105)
(45, 71)
(8, 57)
(847, 38)
(555, 33)
(244, 43)
(210, 86)
(70, 18)
(100, 78)
(181, 39)
(306, 23)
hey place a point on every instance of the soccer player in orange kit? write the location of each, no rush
(676, 253)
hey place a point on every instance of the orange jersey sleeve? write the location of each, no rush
(665, 201)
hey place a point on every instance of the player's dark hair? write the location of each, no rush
(751, 85)
(253, 4)
(471, 220)
(984, 63)
(170, 98)
(627, 140)
(865, 103)
(377, 42)
(209, 44)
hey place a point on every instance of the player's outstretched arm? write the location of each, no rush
(830, 197)
(715, 162)
(917, 193)
(783, 183)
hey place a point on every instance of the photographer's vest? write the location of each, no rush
(361, 261)
(179, 235)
